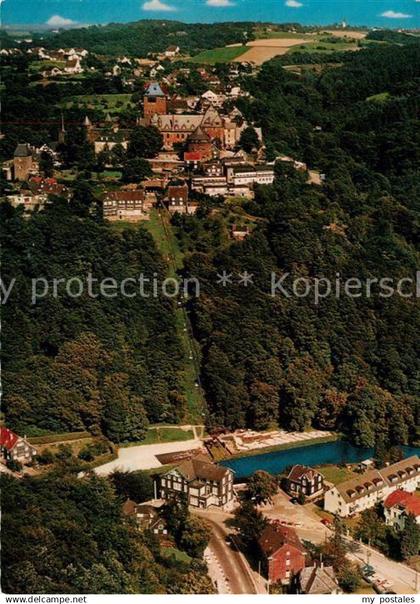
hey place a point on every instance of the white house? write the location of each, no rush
(398, 506)
(363, 492)
(172, 51)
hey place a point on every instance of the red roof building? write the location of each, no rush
(8, 439)
(283, 552)
(14, 447)
(398, 505)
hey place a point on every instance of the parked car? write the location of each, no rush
(326, 522)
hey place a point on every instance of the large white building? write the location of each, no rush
(248, 175)
(363, 492)
(204, 484)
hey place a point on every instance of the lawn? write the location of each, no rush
(323, 46)
(336, 474)
(166, 434)
(219, 55)
(178, 555)
(167, 245)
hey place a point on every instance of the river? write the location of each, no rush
(336, 452)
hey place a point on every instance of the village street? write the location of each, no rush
(234, 575)
(228, 566)
(309, 527)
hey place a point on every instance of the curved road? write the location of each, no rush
(234, 565)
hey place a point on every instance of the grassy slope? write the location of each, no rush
(219, 55)
(161, 230)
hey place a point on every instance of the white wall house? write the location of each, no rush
(363, 492)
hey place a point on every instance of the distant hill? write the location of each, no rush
(142, 37)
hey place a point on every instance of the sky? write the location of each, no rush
(59, 13)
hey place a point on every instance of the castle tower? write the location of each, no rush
(90, 135)
(200, 142)
(154, 101)
(22, 161)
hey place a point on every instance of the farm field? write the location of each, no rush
(270, 44)
(347, 33)
(219, 55)
(260, 51)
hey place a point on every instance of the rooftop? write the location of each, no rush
(298, 471)
(275, 535)
(8, 439)
(318, 580)
(154, 89)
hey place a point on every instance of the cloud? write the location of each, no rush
(157, 5)
(392, 14)
(58, 21)
(293, 4)
(222, 3)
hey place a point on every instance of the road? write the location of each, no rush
(308, 526)
(239, 577)
(401, 576)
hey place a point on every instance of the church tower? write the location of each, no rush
(155, 101)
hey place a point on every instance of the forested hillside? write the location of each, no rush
(63, 534)
(143, 37)
(350, 364)
(105, 364)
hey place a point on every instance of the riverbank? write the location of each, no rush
(332, 451)
(290, 445)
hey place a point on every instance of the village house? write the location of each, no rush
(36, 195)
(365, 491)
(213, 168)
(203, 483)
(239, 233)
(177, 200)
(146, 517)
(284, 554)
(73, 66)
(318, 580)
(171, 51)
(305, 481)
(400, 504)
(212, 98)
(129, 205)
(15, 448)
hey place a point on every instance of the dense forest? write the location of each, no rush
(105, 364)
(350, 364)
(63, 534)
